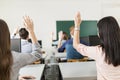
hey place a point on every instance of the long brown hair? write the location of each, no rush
(6, 59)
(109, 32)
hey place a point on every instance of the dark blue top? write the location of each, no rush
(70, 41)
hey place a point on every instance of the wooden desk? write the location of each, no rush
(34, 70)
(78, 71)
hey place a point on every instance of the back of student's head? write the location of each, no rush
(109, 33)
(23, 33)
(5, 52)
(65, 36)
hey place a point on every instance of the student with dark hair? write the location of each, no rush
(26, 45)
(24, 34)
(106, 55)
(62, 38)
(10, 61)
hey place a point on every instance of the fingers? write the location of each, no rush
(78, 16)
(28, 23)
(77, 20)
(27, 19)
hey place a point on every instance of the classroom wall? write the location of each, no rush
(111, 8)
(45, 13)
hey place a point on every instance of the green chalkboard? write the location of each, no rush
(87, 27)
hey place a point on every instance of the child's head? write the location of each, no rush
(23, 33)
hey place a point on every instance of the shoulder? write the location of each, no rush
(14, 53)
(69, 41)
(25, 42)
(97, 48)
(18, 56)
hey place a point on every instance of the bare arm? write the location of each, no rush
(77, 22)
(60, 34)
(83, 49)
(15, 32)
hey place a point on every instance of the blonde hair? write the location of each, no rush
(71, 29)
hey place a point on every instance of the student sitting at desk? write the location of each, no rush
(106, 55)
(26, 46)
(68, 46)
(10, 61)
(62, 38)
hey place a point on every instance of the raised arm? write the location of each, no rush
(83, 49)
(28, 23)
(36, 50)
(77, 22)
(15, 32)
(60, 36)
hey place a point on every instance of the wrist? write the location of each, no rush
(31, 31)
(77, 29)
(60, 40)
(77, 25)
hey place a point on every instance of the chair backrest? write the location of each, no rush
(16, 45)
(40, 42)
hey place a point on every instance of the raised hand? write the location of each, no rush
(60, 35)
(28, 23)
(77, 20)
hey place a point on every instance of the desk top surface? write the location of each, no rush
(61, 55)
(33, 70)
(78, 70)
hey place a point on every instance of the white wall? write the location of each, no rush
(111, 8)
(45, 13)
